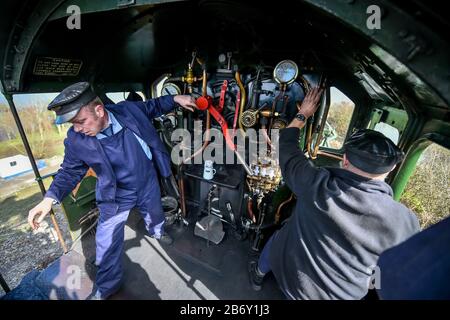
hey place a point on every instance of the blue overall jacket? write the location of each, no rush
(82, 151)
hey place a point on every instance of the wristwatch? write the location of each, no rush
(301, 117)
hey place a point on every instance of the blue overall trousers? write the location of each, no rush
(137, 186)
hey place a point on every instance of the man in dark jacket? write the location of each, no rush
(418, 268)
(119, 142)
(344, 218)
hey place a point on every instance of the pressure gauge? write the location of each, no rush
(285, 72)
(170, 89)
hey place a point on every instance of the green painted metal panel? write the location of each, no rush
(76, 208)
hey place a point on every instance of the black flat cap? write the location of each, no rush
(372, 152)
(71, 100)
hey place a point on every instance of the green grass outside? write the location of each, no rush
(53, 145)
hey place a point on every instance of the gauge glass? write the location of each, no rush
(285, 72)
(170, 89)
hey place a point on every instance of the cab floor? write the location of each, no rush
(190, 269)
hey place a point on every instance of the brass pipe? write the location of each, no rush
(330, 155)
(269, 114)
(309, 139)
(323, 121)
(277, 215)
(58, 231)
(208, 121)
(237, 76)
(190, 78)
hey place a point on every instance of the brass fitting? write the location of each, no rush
(189, 78)
(269, 113)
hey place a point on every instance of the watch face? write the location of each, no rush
(300, 117)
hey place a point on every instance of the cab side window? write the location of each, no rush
(427, 190)
(117, 97)
(338, 120)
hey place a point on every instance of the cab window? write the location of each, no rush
(427, 190)
(117, 97)
(338, 121)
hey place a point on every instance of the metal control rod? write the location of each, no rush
(205, 103)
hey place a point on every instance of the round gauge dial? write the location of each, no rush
(170, 89)
(285, 72)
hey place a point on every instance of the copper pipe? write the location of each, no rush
(250, 209)
(58, 231)
(285, 103)
(277, 215)
(204, 84)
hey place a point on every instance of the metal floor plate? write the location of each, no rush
(190, 269)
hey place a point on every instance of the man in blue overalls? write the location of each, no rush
(119, 142)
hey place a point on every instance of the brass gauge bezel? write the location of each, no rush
(171, 84)
(278, 66)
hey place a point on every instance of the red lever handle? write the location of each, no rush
(205, 103)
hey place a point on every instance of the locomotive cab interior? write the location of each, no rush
(248, 66)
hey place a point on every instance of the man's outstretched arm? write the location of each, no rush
(295, 167)
(71, 172)
(157, 107)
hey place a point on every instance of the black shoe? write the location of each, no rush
(255, 279)
(165, 239)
